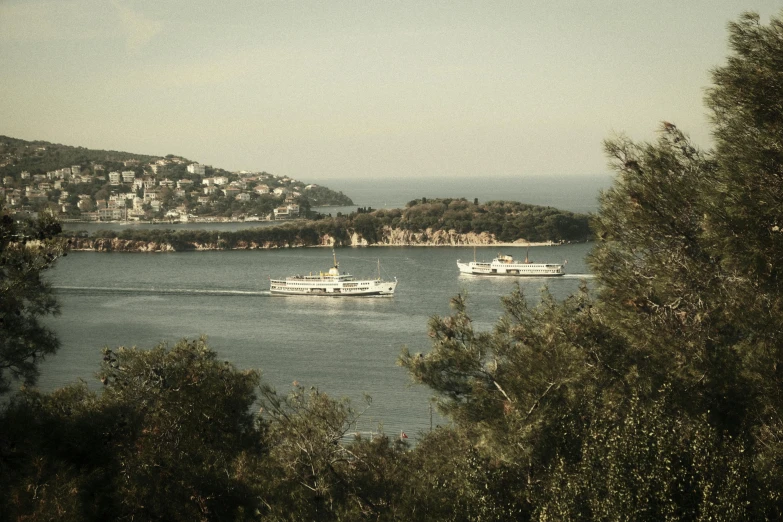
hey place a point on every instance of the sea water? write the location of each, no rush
(346, 347)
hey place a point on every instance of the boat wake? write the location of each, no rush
(578, 276)
(99, 290)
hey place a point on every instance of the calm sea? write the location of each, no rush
(574, 193)
(346, 347)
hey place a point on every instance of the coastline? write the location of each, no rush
(504, 245)
(125, 246)
(275, 238)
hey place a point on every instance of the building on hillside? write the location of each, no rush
(287, 212)
(195, 168)
(76, 170)
(231, 192)
(114, 178)
(111, 214)
(119, 200)
(243, 196)
(128, 176)
(37, 197)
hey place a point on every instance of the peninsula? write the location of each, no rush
(439, 222)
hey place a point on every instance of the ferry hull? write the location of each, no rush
(333, 284)
(516, 270)
(374, 289)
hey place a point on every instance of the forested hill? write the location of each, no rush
(27, 163)
(39, 157)
(507, 221)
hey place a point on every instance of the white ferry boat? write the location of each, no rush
(507, 266)
(333, 284)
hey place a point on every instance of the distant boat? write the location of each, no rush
(507, 266)
(333, 284)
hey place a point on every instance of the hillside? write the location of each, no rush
(39, 157)
(99, 185)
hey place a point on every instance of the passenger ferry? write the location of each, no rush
(506, 266)
(333, 284)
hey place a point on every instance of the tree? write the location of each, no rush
(27, 249)
(171, 437)
(660, 395)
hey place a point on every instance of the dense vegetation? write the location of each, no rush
(27, 248)
(657, 398)
(507, 220)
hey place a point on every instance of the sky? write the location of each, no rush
(363, 89)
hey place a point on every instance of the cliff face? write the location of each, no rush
(398, 237)
(119, 245)
(389, 237)
(127, 245)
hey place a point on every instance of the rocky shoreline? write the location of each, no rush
(390, 237)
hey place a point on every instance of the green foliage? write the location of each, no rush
(171, 437)
(508, 221)
(643, 461)
(42, 156)
(309, 463)
(27, 249)
(321, 196)
(658, 398)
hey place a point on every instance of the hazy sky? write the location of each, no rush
(328, 89)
